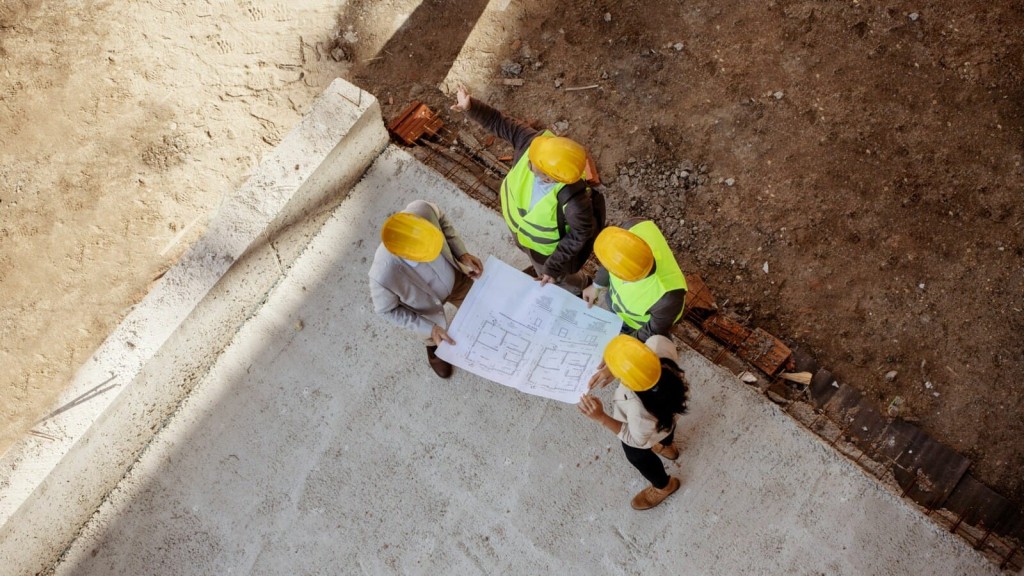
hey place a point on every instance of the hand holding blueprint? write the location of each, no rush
(539, 340)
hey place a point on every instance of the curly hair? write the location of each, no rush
(668, 397)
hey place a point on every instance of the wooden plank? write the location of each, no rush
(896, 438)
(867, 425)
(929, 471)
(821, 388)
(838, 407)
(978, 505)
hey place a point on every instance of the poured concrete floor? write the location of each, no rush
(322, 443)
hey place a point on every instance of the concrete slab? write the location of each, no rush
(321, 442)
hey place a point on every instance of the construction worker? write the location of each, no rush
(645, 286)
(420, 265)
(547, 205)
(651, 394)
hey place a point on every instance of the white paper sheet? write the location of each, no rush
(542, 341)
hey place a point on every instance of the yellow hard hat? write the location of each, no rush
(408, 236)
(558, 157)
(632, 362)
(624, 254)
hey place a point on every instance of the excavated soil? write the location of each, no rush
(845, 175)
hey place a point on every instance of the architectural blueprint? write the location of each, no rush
(542, 341)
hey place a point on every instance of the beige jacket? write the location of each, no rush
(640, 427)
(397, 290)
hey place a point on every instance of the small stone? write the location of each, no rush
(561, 127)
(921, 285)
(607, 16)
(890, 375)
(511, 68)
(678, 46)
(894, 406)
(537, 64)
(765, 267)
(778, 94)
(913, 16)
(730, 181)
(928, 385)
(558, 82)
(748, 377)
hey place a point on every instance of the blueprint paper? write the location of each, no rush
(540, 340)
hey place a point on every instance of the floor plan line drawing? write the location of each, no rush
(538, 339)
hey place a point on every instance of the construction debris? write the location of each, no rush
(416, 121)
(798, 377)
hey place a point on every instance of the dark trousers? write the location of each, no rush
(459, 292)
(648, 463)
(461, 288)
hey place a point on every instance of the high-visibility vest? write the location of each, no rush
(632, 301)
(536, 228)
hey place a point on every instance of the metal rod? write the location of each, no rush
(981, 543)
(958, 521)
(1006, 561)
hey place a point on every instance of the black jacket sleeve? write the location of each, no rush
(663, 315)
(568, 257)
(505, 127)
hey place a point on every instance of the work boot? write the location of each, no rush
(669, 452)
(650, 497)
(441, 368)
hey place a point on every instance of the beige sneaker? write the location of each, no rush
(650, 497)
(670, 452)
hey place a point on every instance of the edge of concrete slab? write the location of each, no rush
(52, 480)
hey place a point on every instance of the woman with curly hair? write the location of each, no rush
(651, 394)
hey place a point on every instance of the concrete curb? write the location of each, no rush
(149, 364)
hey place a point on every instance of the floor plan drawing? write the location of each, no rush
(539, 340)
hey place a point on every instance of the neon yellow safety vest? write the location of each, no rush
(536, 228)
(632, 301)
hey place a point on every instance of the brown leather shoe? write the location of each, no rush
(650, 497)
(441, 368)
(670, 452)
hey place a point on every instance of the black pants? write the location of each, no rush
(648, 463)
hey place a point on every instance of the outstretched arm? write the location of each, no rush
(505, 127)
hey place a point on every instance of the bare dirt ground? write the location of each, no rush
(846, 175)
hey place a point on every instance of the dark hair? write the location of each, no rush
(668, 397)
